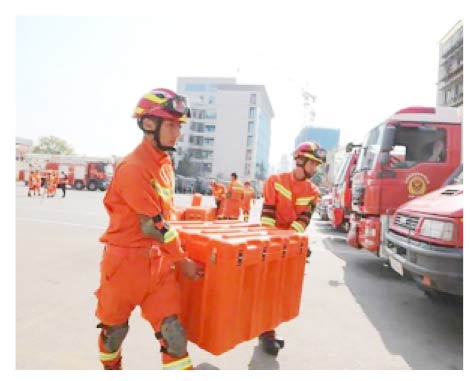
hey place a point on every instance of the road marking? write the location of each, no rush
(60, 223)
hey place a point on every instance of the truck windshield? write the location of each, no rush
(370, 148)
(342, 171)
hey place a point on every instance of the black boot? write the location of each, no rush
(270, 344)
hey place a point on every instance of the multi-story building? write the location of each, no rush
(450, 76)
(229, 130)
(328, 138)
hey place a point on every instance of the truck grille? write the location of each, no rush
(407, 222)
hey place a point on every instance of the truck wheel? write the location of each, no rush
(79, 185)
(102, 189)
(441, 297)
(92, 186)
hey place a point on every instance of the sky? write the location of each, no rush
(79, 78)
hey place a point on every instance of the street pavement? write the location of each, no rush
(356, 312)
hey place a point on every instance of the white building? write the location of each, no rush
(450, 76)
(229, 130)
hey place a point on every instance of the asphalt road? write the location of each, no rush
(356, 313)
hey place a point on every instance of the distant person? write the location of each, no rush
(233, 199)
(248, 197)
(218, 191)
(142, 250)
(63, 182)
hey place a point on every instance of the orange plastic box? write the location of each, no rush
(253, 281)
(199, 213)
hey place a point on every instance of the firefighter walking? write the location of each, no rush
(248, 197)
(232, 202)
(142, 250)
(289, 201)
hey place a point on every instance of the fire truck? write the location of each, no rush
(83, 172)
(340, 208)
(425, 238)
(399, 161)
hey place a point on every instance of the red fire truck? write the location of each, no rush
(425, 238)
(83, 172)
(411, 153)
(340, 208)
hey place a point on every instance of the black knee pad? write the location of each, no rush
(113, 335)
(175, 337)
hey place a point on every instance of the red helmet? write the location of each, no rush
(311, 151)
(165, 104)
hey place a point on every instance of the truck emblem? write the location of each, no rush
(416, 185)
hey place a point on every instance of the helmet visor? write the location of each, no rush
(178, 105)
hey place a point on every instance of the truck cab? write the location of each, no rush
(408, 155)
(340, 208)
(425, 238)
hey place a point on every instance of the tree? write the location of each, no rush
(188, 168)
(53, 145)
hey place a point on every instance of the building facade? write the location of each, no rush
(229, 130)
(328, 138)
(450, 75)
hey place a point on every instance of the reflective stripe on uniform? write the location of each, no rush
(284, 191)
(110, 356)
(163, 192)
(297, 226)
(304, 200)
(180, 364)
(170, 235)
(268, 221)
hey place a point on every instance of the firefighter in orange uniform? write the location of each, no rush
(32, 183)
(50, 181)
(233, 199)
(142, 250)
(218, 191)
(289, 201)
(37, 186)
(248, 198)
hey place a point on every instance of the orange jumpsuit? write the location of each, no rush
(233, 201)
(38, 183)
(288, 203)
(31, 183)
(218, 191)
(247, 200)
(137, 269)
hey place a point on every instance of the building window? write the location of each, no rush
(208, 141)
(252, 113)
(251, 128)
(211, 114)
(248, 155)
(252, 99)
(195, 87)
(247, 169)
(197, 114)
(210, 128)
(181, 138)
(211, 99)
(249, 141)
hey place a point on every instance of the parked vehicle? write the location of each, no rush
(322, 206)
(425, 238)
(408, 155)
(82, 172)
(340, 208)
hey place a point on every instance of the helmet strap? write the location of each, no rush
(156, 133)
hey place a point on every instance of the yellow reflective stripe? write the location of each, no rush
(268, 221)
(138, 110)
(180, 364)
(109, 356)
(163, 192)
(154, 98)
(170, 235)
(303, 200)
(297, 226)
(285, 192)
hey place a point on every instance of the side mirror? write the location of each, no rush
(349, 147)
(388, 139)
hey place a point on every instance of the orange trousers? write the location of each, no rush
(133, 277)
